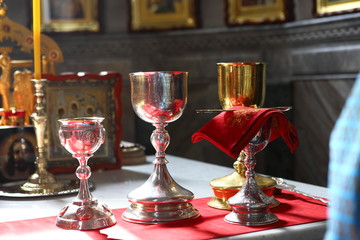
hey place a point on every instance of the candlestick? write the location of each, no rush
(41, 181)
(36, 35)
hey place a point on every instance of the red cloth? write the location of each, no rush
(232, 131)
(294, 209)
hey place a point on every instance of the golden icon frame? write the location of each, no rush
(52, 19)
(241, 12)
(145, 17)
(327, 7)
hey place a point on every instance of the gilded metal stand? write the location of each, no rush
(41, 181)
(227, 186)
(239, 84)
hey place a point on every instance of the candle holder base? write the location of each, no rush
(13, 189)
(43, 182)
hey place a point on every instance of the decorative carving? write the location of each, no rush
(24, 93)
(5, 64)
(24, 39)
(23, 89)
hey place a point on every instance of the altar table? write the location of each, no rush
(112, 187)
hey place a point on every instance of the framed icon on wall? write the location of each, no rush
(334, 7)
(243, 12)
(72, 95)
(70, 16)
(150, 15)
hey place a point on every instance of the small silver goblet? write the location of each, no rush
(82, 137)
(159, 98)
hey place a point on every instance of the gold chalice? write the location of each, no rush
(239, 84)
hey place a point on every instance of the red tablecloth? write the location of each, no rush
(294, 209)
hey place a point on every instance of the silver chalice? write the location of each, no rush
(82, 137)
(159, 98)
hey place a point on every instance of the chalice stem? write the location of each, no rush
(250, 163)
(83, 172)
(250, 183)
(160, 140)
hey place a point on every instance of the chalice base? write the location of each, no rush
(250, 206)
(160, 199)
(221, 197)
(227, 186)
(155, 213)
(42, 182)
(253, 219)
(81, 216)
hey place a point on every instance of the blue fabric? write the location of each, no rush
(344, 172)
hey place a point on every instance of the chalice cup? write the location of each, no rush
(159, 98)
(250, 206)
(82, 137)
(239, 84)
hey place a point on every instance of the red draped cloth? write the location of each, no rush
(232, 131)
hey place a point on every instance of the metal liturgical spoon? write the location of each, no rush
(283, 109)
(281, 184)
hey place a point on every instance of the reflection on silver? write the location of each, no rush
(13, 190)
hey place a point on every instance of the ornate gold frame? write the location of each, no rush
(326, 7)
(143, 17)
(87, 22)
(278, 11)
